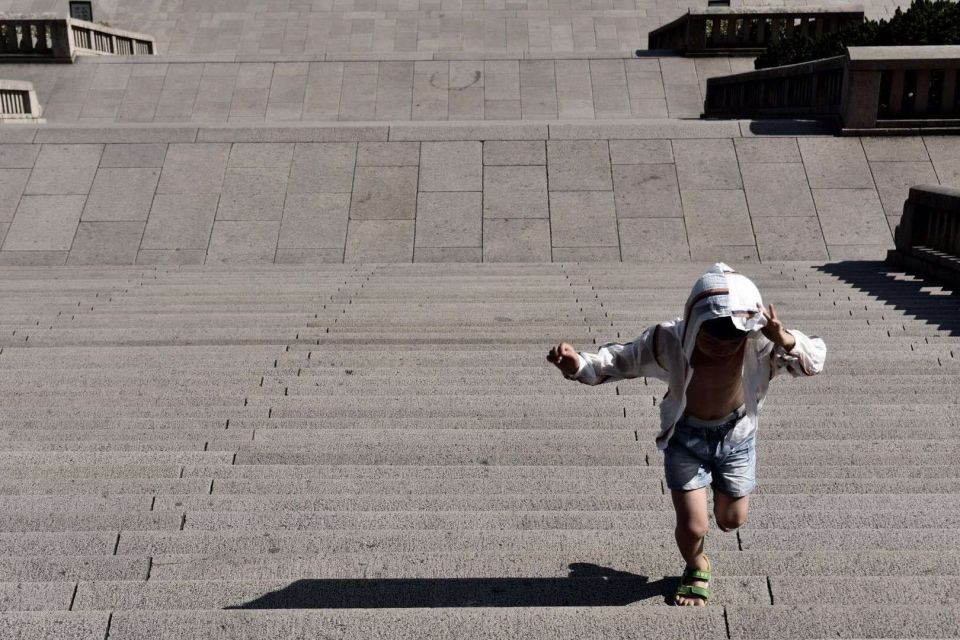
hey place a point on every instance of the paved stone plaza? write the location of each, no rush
(588, 193)
(274, 306)
(609, 87)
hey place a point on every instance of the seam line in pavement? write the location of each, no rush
(106, 634)
(770, 590)
(116, 545)
(726, 622)
(413, 249)
(743, 186)
(73, 598)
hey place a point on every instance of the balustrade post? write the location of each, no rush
(922, 95)
(62, 36)
(8, 39)
(949, 92)
(861, 98)
(903, 232)
(26, 38)
(696, 34)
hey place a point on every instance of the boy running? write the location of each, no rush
(718, 361)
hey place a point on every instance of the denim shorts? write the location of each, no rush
(700, 453)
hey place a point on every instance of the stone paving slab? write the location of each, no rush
(35, 596)
(69, 626)
(877, 621)
(47, 568)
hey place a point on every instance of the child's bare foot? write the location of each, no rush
(687, 597)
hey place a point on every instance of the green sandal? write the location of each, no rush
(690, 590)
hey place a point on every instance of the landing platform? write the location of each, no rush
(637, 191)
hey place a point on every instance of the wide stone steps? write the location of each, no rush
(813, 621)
(218, 594)
(386, 448)
(198, 520)
(387, 540)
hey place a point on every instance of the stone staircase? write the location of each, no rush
(381, 451)
(192, 449)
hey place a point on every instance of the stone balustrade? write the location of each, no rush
(18, 101)
(868, 90)
(806, 89)
(928, 236)
(44, 38)
(746, 31)
(902, 87)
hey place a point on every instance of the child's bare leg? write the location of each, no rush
(730, 512)
(692, 526)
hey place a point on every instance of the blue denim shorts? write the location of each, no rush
(700, 453)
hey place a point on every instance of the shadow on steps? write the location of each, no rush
(587, 585)
(876, 278)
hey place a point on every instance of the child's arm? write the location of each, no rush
(613, 361)
(793, 351)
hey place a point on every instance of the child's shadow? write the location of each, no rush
(587, 585)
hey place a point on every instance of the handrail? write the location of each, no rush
(722, 30)
(866, 89)
(61, 39)
(807, 88)
(89, 37)
(928, 236)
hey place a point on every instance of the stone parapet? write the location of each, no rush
(747, 30)
(928, 236)
(867, 90)
(18, 101)
(54, 39)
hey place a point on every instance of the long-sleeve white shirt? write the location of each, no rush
(659, 353)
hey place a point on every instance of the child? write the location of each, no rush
(718, 361)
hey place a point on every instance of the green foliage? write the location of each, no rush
(926, 22)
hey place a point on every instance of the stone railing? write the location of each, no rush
(928, 236)
(18, 101)
(747, 31)
(902, 87)
(866, 90)
(805, 89)
(61, 39)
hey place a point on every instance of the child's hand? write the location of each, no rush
(774, 329)
(565, 357)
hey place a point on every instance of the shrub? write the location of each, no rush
(925, 22)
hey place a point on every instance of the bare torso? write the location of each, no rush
(716, 389)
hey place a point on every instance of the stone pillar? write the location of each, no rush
(62, 36)
(860, 99)
(696, 33)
